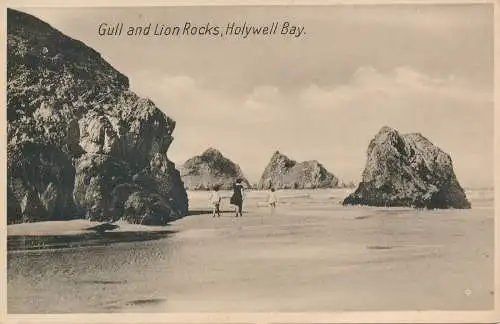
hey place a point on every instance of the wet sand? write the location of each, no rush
(76, 233)
(312, 255)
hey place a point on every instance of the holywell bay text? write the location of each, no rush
(242, 30)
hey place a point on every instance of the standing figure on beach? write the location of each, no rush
(237, 197)
(272, 201)
(214, 200)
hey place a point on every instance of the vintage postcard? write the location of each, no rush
(231, 162)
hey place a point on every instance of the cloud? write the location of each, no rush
(178, 85)
(368, 89)
(401, 83)
(263, 98)
(427, 69)
(330, 123)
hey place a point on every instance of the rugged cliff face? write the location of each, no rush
(211, 168)
(78, 139)
(407, 170)
(284, 173)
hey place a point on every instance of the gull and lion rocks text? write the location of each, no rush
(243, 30)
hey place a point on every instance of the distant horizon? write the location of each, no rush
(415, 68)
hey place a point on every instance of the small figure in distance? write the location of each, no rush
(237, 197)
(215, 200)
(272, 201)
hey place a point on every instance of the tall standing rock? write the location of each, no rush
(407, 170)
(284, 173)
(78, 138)
(209, 169)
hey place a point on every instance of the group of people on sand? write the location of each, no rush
(237, 198)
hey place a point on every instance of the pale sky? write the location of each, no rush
(425, 68)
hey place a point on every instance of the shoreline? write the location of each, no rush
(76, 233)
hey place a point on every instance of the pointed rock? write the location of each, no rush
(407, 170)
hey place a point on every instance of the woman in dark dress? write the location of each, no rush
(237, 197)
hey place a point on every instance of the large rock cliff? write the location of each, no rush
(407, 170)
(209, 169)
(284, 173)
(80, 143)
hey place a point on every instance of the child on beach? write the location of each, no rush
(272, 201)
(215, 200)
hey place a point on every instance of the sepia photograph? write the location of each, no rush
(250, 159)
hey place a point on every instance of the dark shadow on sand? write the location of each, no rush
(101, 282)
(380, 247)
(208, 212)
(140, 302)
(363, 217)
(42, 242)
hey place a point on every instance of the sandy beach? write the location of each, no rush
(312, 255)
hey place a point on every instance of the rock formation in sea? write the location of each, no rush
(209, 169)
(407, 170)
(285, 173)
(80, 143)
